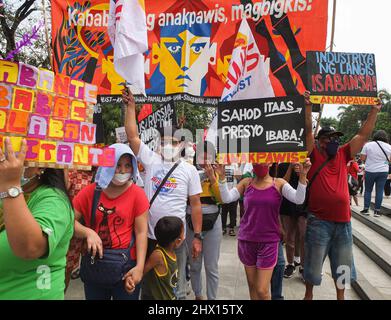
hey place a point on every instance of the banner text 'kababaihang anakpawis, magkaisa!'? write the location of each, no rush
(190, 44)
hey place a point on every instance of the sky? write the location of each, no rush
(363, 26)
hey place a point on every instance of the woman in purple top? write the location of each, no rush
(259, 231)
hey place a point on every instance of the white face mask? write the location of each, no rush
(169, 152)
(189, 153)
(121, 178)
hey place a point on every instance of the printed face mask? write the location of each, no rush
(260, 170)
(121, 178)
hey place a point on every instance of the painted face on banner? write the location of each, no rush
(184, 56)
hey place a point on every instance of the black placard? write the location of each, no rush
(342, 78)
(163, 117)
(272, 125)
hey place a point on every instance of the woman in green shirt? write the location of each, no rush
(36, 229)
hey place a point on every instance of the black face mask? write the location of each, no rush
(332, 148)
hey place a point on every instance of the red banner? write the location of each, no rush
(190, 43)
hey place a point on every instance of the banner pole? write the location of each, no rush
(331, 48)
(47, 35)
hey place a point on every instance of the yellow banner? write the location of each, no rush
(344, 100)
(262, 157)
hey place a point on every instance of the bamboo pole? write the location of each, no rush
(331, 48)
(47, 35)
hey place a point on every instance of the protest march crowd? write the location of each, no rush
(155, 232)
(137, 222)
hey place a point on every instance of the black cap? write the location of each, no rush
(327, 132)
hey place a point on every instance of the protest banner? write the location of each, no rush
(342, 78)
(54, 113)
(127, 30)
(248, 72)
(120, 134)
(190, 44)
(246, 78)
(144, 112)
(148, 128)
(262, 130)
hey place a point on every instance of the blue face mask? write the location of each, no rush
(332, 148)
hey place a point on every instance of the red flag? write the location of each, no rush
(145, 111)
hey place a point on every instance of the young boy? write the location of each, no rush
(161, 269)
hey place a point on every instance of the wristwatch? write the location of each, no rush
(199, 236)
(12, 192)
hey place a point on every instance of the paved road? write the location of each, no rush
(233, 284)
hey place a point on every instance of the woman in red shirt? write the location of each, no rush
(121, 214)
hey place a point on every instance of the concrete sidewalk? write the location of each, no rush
(233, 283)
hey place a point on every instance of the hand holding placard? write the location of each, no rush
(342, 78)
(11, 165)
(54, 113)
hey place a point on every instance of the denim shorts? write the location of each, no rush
(332, 239)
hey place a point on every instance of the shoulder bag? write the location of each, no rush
(388, 160)
(108, 271)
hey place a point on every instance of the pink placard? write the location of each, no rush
(45, 80)
(87, 133)
(65, 153)
(9, 71)
(32, 153)
(76, 89)
(44, 103)
(56, 129)
(72, 131)
(61, 86)
(38, 127)
(61, 107)
(22, 99)
(81, 154)
(28, 75)
(90, 93)
(3, 120)
(5, 96)
(96, 154)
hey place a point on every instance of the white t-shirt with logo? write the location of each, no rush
(376, 159)
(172, 198)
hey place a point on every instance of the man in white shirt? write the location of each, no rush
(183, 184)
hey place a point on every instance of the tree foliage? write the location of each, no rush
(194, 117)
(352, 117)
(112, 119)
(16, 20)
(329, 122)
